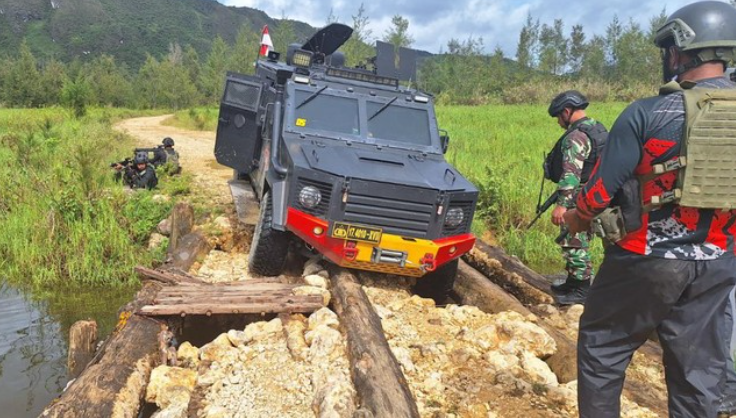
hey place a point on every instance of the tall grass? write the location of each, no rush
(500, 149)
(62, 217)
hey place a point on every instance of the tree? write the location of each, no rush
(594, 59)
(398, 33)
(613, 34)
(552, 48)
(244, 52)
(22, 83)
(213, 71)
(526, 50)
(283, 35)
(577, 49)
(53, 76)
(108, 85)
(357, 48)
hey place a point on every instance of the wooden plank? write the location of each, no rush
(381, 386)
(166, 277)
(226, 299)
(302, 304)
(248, 282)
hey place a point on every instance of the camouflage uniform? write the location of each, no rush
(576, 148)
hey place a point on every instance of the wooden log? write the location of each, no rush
(381, 386)
(166, 277)
(190, 248)
(182, 223)
(82, 342)
(114, 382)
(473, 288)
(528, 286)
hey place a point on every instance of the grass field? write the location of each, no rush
(500, 149)
(62, 218)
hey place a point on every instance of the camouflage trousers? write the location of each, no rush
(576, 253)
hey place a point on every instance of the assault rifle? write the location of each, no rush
(146, 150)
(542, 207)
(125, 163)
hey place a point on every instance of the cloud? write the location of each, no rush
(434, 22)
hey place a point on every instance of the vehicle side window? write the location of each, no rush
(242, 95)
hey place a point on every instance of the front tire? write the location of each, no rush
(438, 284)
(269, 247)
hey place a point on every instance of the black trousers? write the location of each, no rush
(684, 301)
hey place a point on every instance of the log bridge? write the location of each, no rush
(114, 381)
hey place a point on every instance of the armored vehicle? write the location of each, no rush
(346, 163)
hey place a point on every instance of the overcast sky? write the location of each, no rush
(433, 22)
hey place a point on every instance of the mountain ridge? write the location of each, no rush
(126, 29)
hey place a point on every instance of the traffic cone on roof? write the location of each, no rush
(266, 44)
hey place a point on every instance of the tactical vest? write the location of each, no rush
(707, 162)
(173, 158)
(597, 134)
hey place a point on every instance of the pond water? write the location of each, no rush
(34, 328)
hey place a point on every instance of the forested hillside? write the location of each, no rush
(127, 29)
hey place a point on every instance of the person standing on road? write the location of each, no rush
(569, 165)
(166, 154)
(672, 275)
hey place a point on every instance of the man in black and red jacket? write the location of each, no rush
(674, 274)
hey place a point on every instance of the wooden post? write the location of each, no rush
(82, 341)
(381, 386)
(182, 223)
(189, 249)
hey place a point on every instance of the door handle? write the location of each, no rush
(224, 120)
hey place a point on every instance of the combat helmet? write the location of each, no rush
(570, 98)
(168, 142)
(140, 158)
(707, 27)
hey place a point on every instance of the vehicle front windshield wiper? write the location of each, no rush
(383, 107)
(311, 97)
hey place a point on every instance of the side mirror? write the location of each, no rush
(444, 140)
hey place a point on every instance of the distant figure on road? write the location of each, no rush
(143, 175)
(569, 165)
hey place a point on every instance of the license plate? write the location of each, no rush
(345, 231)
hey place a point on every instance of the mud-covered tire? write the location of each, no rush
(438, 284)
(269, 247)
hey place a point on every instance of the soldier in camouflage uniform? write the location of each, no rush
(569, 165)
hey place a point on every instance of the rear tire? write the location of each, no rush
(438, 284)
(269, 247)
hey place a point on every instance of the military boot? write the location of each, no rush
(727, 407)
(574, 292)
(563, 286)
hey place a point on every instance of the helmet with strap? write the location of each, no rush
(571, 98)
(707, 28)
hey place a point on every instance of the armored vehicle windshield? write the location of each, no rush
(394, 119)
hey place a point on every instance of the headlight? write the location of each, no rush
(309, 197)
(454, 217)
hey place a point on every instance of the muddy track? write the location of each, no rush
(458, 361)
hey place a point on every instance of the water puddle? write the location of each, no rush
(34, 330)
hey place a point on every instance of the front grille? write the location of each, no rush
(394, 216)
(464, 227)
(325, 189)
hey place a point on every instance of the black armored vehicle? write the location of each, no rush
(347, 163)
